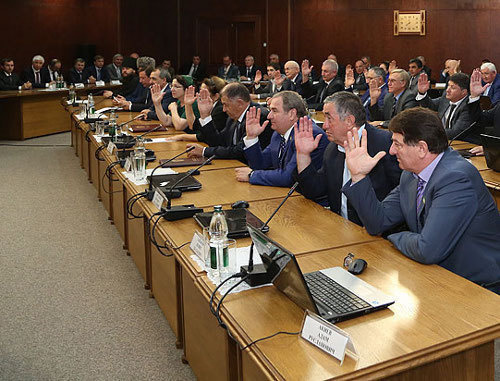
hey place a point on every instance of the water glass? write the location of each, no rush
(138, 167)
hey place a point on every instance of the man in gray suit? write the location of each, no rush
(452, 218)
(415, 67)
(115, 69)
(398, 98)
(452, 110)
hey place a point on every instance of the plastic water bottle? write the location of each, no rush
(219, 259)
(91, 104)
(140, 160)
(72, 95)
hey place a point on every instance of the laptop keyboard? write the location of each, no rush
(337, 298)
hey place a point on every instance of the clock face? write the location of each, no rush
(409, 23)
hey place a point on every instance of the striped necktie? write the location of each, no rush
(281, 153)
(420, 192)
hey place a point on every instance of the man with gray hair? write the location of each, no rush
(144, 62)
(492, 79)
(343, 111)
(275, 164)
(160, 76)
(37, 77)
(399, 98)
(328, 85)
(115, 69)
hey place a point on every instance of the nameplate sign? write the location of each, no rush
(327, 337)
(116, 82)
(111, 146)
(128, 164)
(199, 245)
(159, 198)
(79, 85)
(100, 83)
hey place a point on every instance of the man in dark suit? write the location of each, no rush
(328, 85)
(96, 72)
(293, 81)
(247, 71)
(115, 69)
(376, 74)
(451, 216)
(398, 98)
(414, 69)
(343, 112)
(360, 82)
(76, 73)
(228, 71)
(275, 164)
(228, 143)
(275, 84)
(52, 70)
(452, 110)
(425, 68)
(140, 99)
(34, 74)
(159, 77)
(10, 80)
(195, 69)
(491, 78)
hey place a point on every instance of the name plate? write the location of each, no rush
(100, 83)
(116, 82)
(159, 198)
(327, 337)
(199, 245)
(79, 85)
(111, 146)
(128, 164)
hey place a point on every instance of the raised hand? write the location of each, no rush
(258, 77)
(189, 96)
(476, 87)
(305, 143)
(253, 126)
(349, 77)
(278, 78)
(392, 65)
(423, 83)
(375, 92)
(358, 160)
(156, 94)
(205, 103)
(306, 69)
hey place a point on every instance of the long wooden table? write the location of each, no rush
(441, 324)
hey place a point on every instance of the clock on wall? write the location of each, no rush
(409, 23)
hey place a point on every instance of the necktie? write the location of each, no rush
(236, 137)
(80, 75)
(281, 153)
(393, 111)
(448, 120)
(248, 72)
(10, 78)
(98, 70)
(37, 77)
(322, 94)
(420, 192)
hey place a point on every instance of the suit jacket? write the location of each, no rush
(11, 82)
(414, 83)
(494, 92)
(219, 120)
(327, 181)
(486, 118)
(138, 94)
(267, 91)
(29, 75)
(92, 71)
(406, 100)
(460, 121)
(295, 85)
(457, 226)
(313, 92)
(266, 163)
(198, 75)
(129, 84)
(359, 82)
(221, 142)
(143, 102)
(232, 73)
(243, 71)
(113, 74)
(75, 77)
(46, 71)
(165, 102)
(427, 70)
(365, 99)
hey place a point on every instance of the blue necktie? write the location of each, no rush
(281, 153)
(420, 192)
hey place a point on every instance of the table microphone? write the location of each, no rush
(265, 272)
(178, 212)
(150, 192)
(468, 129)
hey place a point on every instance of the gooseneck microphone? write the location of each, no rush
(150, 192)
(264, 273)
(462, 133)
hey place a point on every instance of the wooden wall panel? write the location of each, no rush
(54, 28)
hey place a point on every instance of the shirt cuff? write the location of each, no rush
(419, 96)
(204, 121)
(250, 142)
(203, 152)
(474, 99)
(257, 85)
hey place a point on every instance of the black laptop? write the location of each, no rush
(491, 147)
(165, 182)
(333, 293)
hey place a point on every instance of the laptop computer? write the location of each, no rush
(164, 182)
(491, 147)
(333, 293)
(237, 220)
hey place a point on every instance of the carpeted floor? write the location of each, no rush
(72, 304)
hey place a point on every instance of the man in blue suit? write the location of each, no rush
(452, 218)
(343, 112)
(491, 78)
(275, 164)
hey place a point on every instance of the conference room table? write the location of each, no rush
(440, 324)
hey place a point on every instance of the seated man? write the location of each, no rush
(247, 71)
(425, 68)
(492, 79)
(10, 80)
(141, 98)
(452, 110)
(194, 69)
(398, 98)
(76, 74)
(343, 112)
(275, 164)
(360, 82)
(377, 75)
(415, 67)
(293, 79)
(328, 85)
(275, 82)
(228, 143)
(228, 71)
(274, 58)
(114, 70)
(161, 78)
(167, 64)
(96, 72)
(452, 218)
(129, 80)
(53, 70)
(35, 75)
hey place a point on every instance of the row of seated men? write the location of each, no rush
(404, 183)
